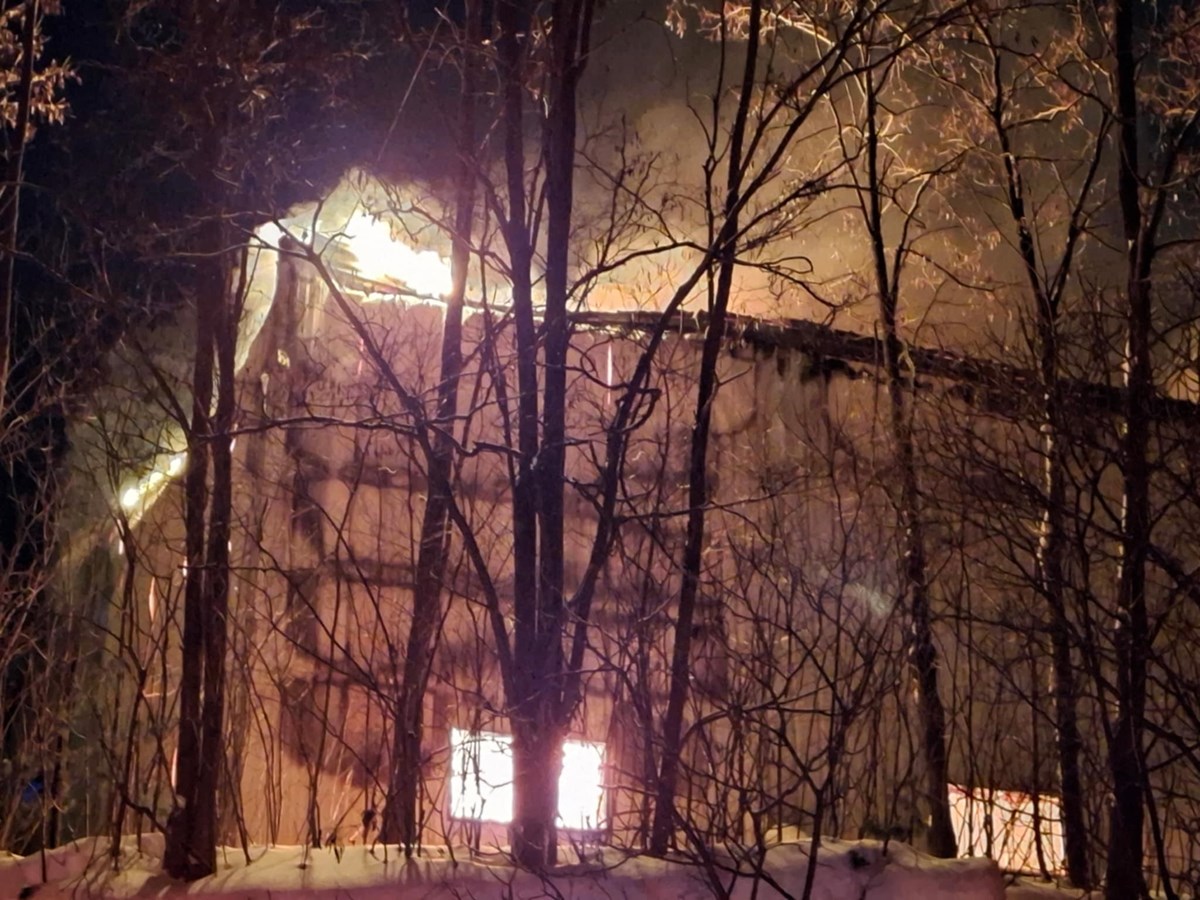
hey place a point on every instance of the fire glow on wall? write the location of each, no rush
(481, 779)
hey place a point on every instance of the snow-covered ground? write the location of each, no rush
(863, 870)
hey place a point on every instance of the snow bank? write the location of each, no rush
(1029, 890)
(863, 870)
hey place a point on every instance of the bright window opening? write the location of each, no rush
(1003, 825)
(481, 773)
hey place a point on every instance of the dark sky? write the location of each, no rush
(642, 78)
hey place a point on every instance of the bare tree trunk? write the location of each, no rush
(1123, 877)
(1050, 572)
(401, 823)
(10, 191)
(924, 659)
(538, 731)
(532, 828)
(914, 575)
(536, 706)
(663, 828)
(216, 627)
(192, 827)
(185, 855)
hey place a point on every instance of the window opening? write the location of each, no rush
(481, 775)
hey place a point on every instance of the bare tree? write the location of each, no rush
(1009, 102)
(1144, 183)
(891, 195)
(30, 91)
(777, 99)
(401, 822)
(227, 99)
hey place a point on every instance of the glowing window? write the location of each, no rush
(481, 772)
(1002, 825)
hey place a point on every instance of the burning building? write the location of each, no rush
(799, 712)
